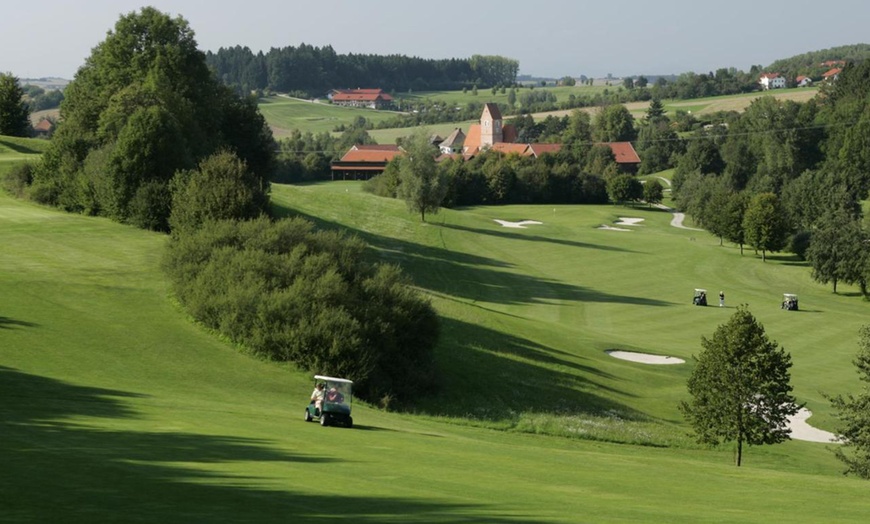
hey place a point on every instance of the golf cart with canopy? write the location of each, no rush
(789, 302)
(700, 298)
(336, 397)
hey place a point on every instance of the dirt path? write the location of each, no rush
(677, 220)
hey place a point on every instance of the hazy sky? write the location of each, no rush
(549, 37)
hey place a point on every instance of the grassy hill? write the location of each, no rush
(118, 408)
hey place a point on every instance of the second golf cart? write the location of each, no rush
(789, 302)
(331, 401)
(700, 298)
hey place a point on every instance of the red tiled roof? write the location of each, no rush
(357, 155)
(493, 111)
(44, 125)
(509, 133)
(832, 72)
(472, 139)
(507, 148)
(624, 152)
(361, 95)
(376, 147)
(537, 150)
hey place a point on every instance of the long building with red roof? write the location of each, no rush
(371, 98)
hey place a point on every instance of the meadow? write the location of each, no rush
(118, 408)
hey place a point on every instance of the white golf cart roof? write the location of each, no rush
(789, 295)
(700, 290)
(333, 379)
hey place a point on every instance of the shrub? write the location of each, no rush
(291, 293)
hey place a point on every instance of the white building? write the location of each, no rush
(771, 81)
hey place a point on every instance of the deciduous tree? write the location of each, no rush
(14, 113)
(838, 250)
(422, 185)
(765, 224)
(740, 387)
(853, 412)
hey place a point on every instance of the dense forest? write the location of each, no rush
(312, 71)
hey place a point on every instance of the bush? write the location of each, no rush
(290, 293)
(18, 179)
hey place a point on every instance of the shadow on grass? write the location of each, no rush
(493, 376)
(473, 277)
(533, 238)
(11, 323)
(55, 470)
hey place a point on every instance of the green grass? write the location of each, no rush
(285, 114)
(117, 408)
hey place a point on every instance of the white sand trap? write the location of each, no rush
(611, 228)
(645, 358)
(800, 430)
(626, 221)
(518, 225)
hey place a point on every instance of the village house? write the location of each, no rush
(370, 98)
(803, 81)
(363, 161)
(771, 81)
(832, 74)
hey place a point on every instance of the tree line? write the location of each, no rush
(312, 71)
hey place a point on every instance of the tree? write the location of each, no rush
(624, 188)
(144, 106)
(838, 250)
(614, 123)
(854, 415)
(732, 219)
(765, 224)
(222, 188)
(653, 192)
(14, 113)
(512, 97)
(422, 185)
(740, 387)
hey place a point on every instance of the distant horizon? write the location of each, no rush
(552, 39)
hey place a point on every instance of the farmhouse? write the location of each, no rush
(832, 74)
(371, 98)
(364, 161)
(771, 81)
(453, 143)
(803, 81)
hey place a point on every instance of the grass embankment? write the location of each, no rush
(285, 114)
(116, 407)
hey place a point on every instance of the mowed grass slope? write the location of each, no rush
(115, 407)
(285, 114)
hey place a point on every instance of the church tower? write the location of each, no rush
(491, 131)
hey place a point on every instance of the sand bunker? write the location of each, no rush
(645, 358)
(518, 225)
(626, 221)
(611, 228)
(800, 430)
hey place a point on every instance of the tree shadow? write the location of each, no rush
(534, 238)
(11, 323)
(472, 277)
(57, 470)
(541, 379)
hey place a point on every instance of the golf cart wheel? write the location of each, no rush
(307, 415)
(349, 422)
(324, 419)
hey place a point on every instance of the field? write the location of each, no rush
(285, 114)
(119, 408)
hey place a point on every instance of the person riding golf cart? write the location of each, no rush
(789, 302)
(331, 401)
(700, 298)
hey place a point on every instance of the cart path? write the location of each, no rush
(677, 221)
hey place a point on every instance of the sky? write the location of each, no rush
(549, 38)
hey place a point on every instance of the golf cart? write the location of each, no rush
(700, 298)
(337, 395)
(789, 302)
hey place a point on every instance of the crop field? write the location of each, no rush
(118, 408)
